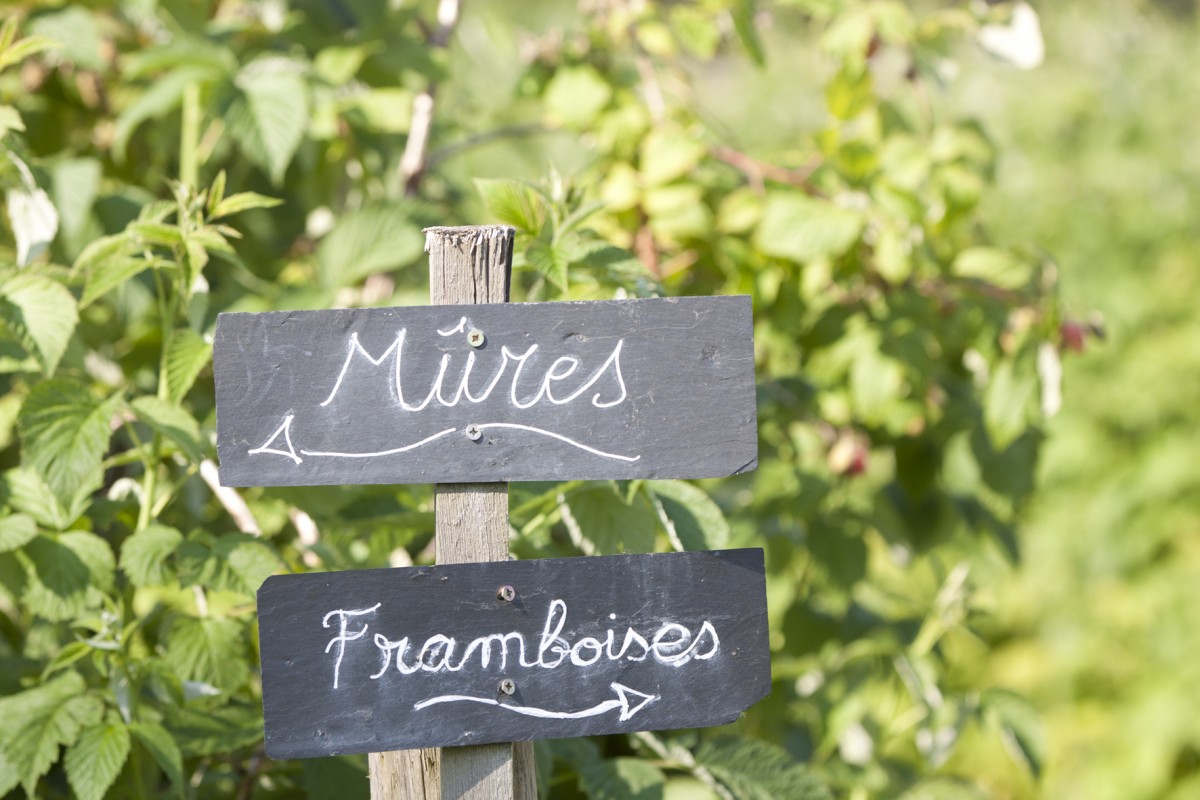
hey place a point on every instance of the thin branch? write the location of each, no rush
(757, 172)
(308, 534)
(413, 161)
(230, 499)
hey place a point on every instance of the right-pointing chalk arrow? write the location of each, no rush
(629, 701)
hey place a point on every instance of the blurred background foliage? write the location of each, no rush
(901, 187)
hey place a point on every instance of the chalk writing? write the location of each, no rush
(560, 370)
(672, 644)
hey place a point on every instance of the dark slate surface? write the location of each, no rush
(375, 707)
(301, 402)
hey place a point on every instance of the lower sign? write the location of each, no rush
(390, 659)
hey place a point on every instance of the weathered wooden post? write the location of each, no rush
(468, 394)
(467, 266)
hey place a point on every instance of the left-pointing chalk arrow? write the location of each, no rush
(629, 701)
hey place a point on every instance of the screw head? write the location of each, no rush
(475, 337)
(507, 686)
(506, 594)
(473, 432)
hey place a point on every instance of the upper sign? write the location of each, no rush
(386, 659)
(655, 388)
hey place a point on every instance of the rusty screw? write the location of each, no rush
(506, 594)
(474, 433)
(475, 338)
(507, 686)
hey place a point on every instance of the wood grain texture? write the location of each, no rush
(472, 266)
(370, 660)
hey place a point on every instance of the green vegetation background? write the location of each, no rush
(971, 595)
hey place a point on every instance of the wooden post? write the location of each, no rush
(467, 265)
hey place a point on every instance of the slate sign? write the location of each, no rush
(386, 659)
(648, 388)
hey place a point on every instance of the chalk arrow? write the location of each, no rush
(629, 701)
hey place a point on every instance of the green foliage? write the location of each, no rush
(166, 162)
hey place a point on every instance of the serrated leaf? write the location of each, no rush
(144, 554)
(377, 238)
(801, 228)
(204, 732)
(162, 747)
(111, 273)
(41, 314)
(513, 203)
(622, 779)
(65, 433)
(243, 201)
(187, 356)
(601, 521)
(66, 574)
(551, 261)
(207, 650)
(15, 531)
(29, 493)
(95, 760)
(756, 770)
(173, 422)
(37, 722)
(249, 560)
(693, 521)
(268, 114)
(102, 249)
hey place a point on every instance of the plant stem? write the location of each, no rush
(189, 136)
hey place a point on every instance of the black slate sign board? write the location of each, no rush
(648, 388)
(387, 659)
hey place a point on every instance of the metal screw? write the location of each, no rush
(506, 594)
(475, 337)
(473, 432)
(507, 686)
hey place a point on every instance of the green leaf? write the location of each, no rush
(601, 521)
(23, 49)
(173, 422)
(144, 554)
(41, 314)
(622, 779)
(745, 14)
(550, 261)
(575, 95)
(691, 518)
(268, 113)
(205, 732)
(95, 760)
(1008, 399)
(208, 650)
(107, 275)
(37, 722)
(801, 228)
(65, 433)
(344, 777)
(756, 770)
(243, 201)
(1020, 726)
(187, 356)
(249, 560)
(66, 574)
(377, 238)
(850, 93)
(162, 747)
(15, 531)
(513, 203)
(163, 95)
(157, 233)
(29, 493)
(993, 265)
(10, 120)
(668, 153)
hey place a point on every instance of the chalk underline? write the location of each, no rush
(434, 437)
